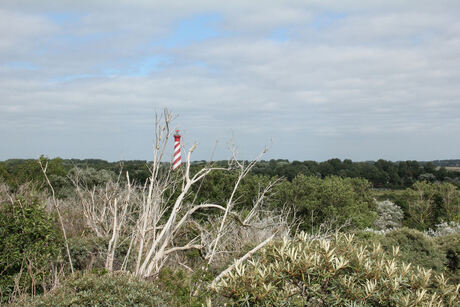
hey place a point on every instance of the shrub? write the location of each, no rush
(415, 247)
(103, 290)
(390, 215)
(450, 246)
(87, 252)
(29, 244)
(91, 177)
(444, 229)
(186, 288)
(73, 217)
(337, 271)
(91, 252)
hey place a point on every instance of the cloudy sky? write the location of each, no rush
(313, 80)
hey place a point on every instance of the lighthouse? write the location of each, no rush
(177, 157)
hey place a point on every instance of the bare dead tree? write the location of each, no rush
(119, 224)
(109, 210)
(56, 206)
(152, 217)
(5, 195)
(243, 171)
(159, 226)
(241, 260)
(159, 245)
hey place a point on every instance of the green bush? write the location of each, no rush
(91, 252)
(305, 271)
(87, 252)
(415, 247)
(29, 244)
(103, 290)
(450, 246)
(186, 288)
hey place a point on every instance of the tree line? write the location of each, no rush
(316, 191)
(381, 173)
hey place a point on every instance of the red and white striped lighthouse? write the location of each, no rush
(177, 158)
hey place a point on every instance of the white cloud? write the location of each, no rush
(19, 32)
(383, 70)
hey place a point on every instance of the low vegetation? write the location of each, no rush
(335, 271)
(102, 289)
(235, 233)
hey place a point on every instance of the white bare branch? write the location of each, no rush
(153, 217)
(239, 261)
(56, 206)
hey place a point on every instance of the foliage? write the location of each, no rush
(326, 192)
(318, 200)
(382, 173)
(440, 253)
(450, 246)
(87, 252)
(429, 204)
(29, 244)
(450, 197)
(217, 187)
(91, 177)
(18, 172)
(444, 229)
(186, 288)
(91, 289)
(90, 252)
(421, 204)
(332, 272)
(415, 247)
(390, 215)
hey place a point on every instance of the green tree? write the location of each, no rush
(29, 171)
(431, 203)
(218, 186)
(331, 199)
(450, 196)
(421, 204)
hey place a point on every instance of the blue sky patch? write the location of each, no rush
(190, 30)
(69, 78)
(64, 18)
(21, 66)
(153, 63)
(326, 19)
(279, 35)
(143, 67)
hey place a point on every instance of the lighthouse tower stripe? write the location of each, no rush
(177, 157)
